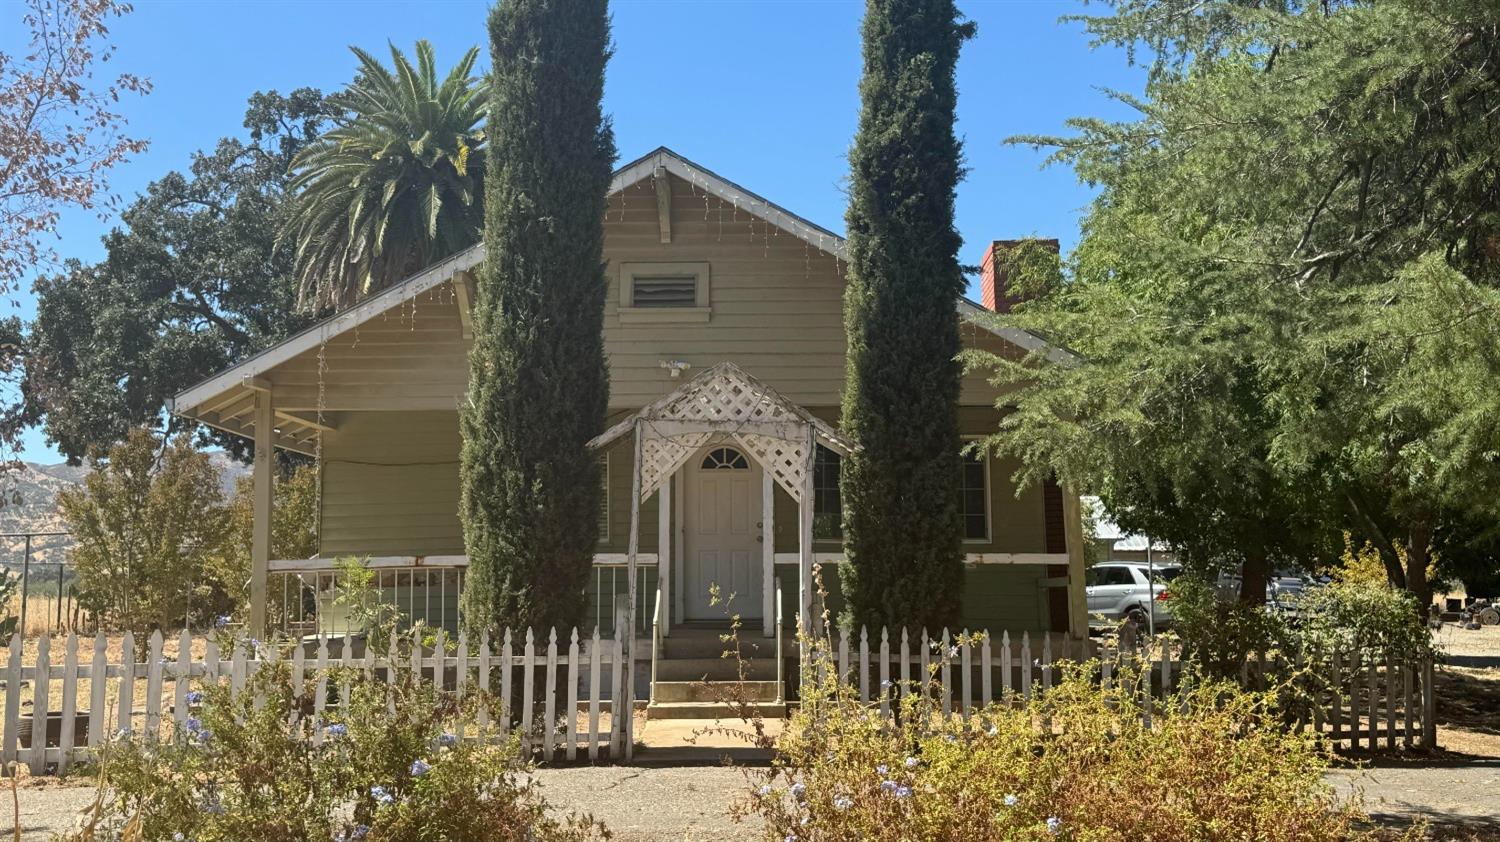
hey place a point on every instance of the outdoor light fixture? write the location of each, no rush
(676, 367)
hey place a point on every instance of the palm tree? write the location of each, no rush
(397, 183)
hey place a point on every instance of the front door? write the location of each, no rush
(723, 535)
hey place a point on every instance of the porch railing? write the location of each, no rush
(316, 598)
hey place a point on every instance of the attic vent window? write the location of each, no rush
(663, 292)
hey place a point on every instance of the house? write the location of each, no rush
(725, 338)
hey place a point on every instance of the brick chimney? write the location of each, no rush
(993, 269)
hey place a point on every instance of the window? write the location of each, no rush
(1103, 576)
(725, 459)
(828, 506)
(664, 292)
(973, 495)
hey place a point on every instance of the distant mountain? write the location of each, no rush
(33, 506)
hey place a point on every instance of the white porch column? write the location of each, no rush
(262, 500)
(768, 551)
(805, 537)
(628, 668)
(664, 553)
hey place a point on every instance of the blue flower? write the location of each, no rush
(448, 740)
(886, 684)
(338, 729)
(381, 795)
(765, 790)
(994, 730)
(842, 802)
(195, 729)
(419, 768)
(1054, 824)
(221, 621)
(1011, 800)
(882, 769)
(903, 791)
(790, 837)
(212, 806)
(360, 831)
(798, 789)
(194, 697)
(889, 786)
(912, 762)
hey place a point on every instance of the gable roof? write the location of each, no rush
(190, 402)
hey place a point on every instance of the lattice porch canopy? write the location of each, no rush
(726, 404)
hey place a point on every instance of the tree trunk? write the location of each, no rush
(1253, 577)
(1418, 562)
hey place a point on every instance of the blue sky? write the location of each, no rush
(762, 91)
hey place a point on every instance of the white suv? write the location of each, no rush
(1123, 590)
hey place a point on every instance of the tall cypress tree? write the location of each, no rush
(902, 533)
(538, 381)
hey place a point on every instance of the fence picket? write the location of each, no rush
(127, 683)
(98, 684)
(484, 685)
(864, 664)
(549, 725)
(461, 678)
(1336, 688)
(594, 644)
(885, 671)
(13, 702)
(984, 671)
(966, 666)
(617, 713)
(1046, 661)
(40, 700)
(320, 691)
(181, 677)
(1390, 702)
(945, 672)
(1373, 701)
(905, 662)
(1406, 704)
(1026, 665)
(528, 695)
(69, 704)
(1006, 663)
(154, 671)
(505, 671)
(570, 732)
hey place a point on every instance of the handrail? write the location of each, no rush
(780, 679)
(655, 639)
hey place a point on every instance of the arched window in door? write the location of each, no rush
(725, 459)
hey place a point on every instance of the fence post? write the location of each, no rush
(13, 702)
(1429, 705)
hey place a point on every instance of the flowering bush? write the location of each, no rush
(384, 769)
(1075, 764)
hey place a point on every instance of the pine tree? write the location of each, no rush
(902, 533)
(538, 382)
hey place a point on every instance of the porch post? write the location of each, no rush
(664, 553)
(628, 668)
(1078, 609)
(768, 551)
(805, 538)
(262, 501)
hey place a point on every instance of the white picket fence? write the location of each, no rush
(1354, 701)
(74, 711)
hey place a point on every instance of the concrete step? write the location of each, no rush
(706, 644)
(698, 691)
(713, 669)
(710, 710)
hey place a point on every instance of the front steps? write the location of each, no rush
(695, 681)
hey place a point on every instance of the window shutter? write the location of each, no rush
(665, 292)
(604, 498)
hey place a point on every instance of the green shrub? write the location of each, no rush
(245, 769)
(1371, 617)
(1075, 764)
(1220, 633)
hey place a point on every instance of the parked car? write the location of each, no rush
(1124, 590)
